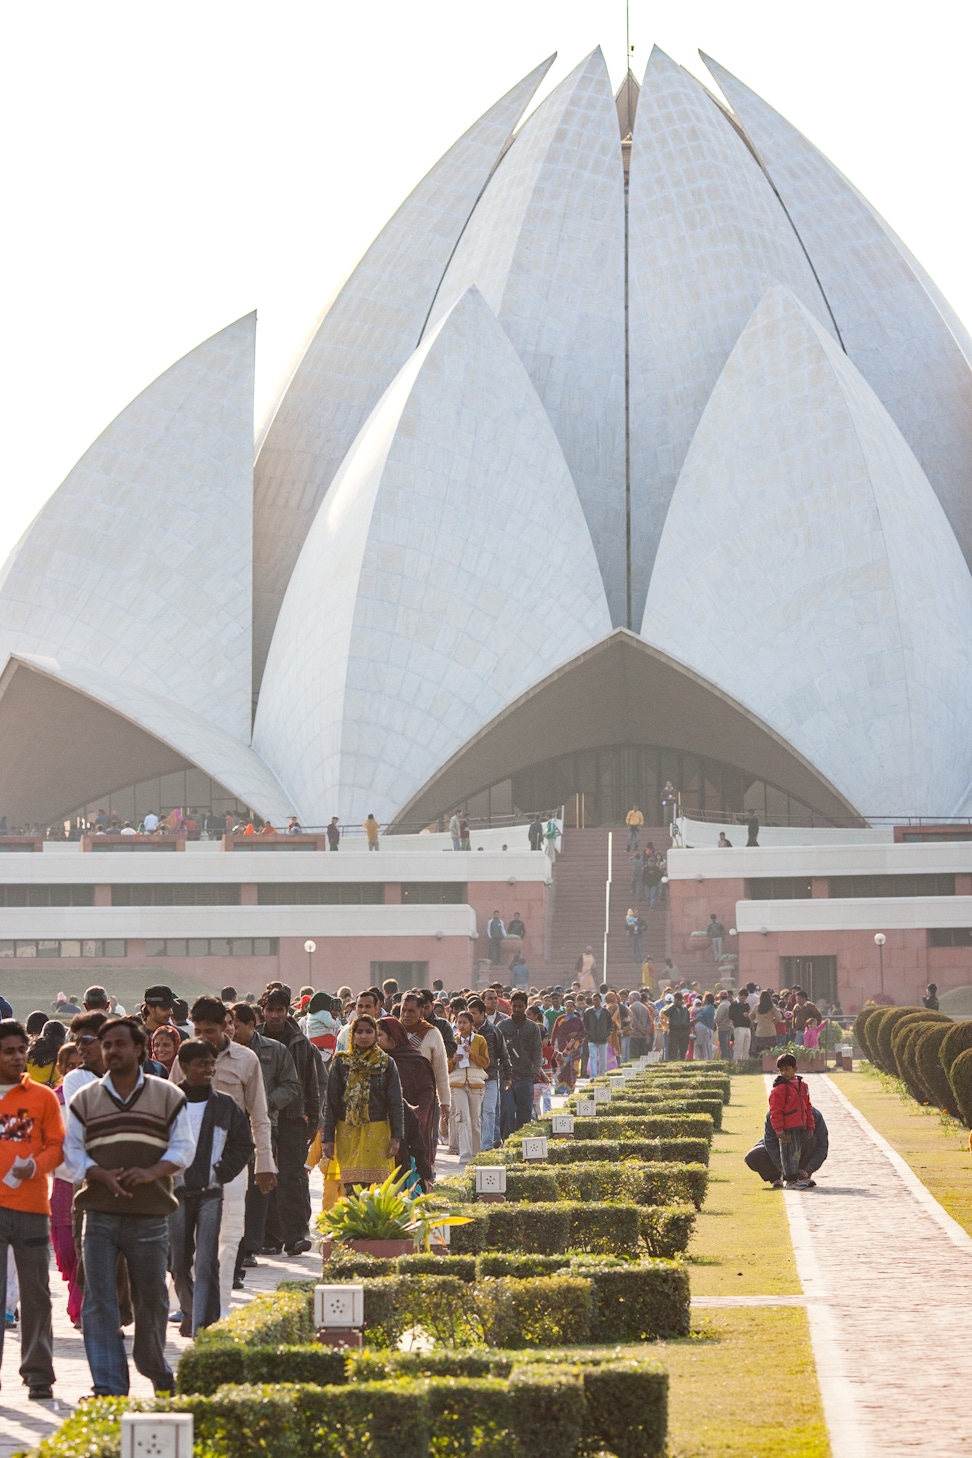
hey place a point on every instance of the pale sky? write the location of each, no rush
(170, 167)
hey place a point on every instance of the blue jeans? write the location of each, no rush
(489, 1123)
(625, 1049)
(724, 1042)
(194, 1237)
(144, 1242)
(598, 1059)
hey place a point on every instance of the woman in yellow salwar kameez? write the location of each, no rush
(363, 1122)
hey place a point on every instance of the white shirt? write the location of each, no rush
(151, 822)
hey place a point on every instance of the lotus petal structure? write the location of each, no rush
(636, 432)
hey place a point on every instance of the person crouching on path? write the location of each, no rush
(363, 1117)
(127, 1134)
(791, 1114)
(31, 1134)
(224, 1147)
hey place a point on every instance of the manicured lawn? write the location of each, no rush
(741, 1245)
(26, 987)
(937, 1149)
(750, 1391)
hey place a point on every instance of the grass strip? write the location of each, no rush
(933, 1145)
(744, 1386)
(742, 1244)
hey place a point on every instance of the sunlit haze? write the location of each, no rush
(169, 168)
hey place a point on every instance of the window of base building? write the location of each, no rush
(950, 936)
(211, 947)
(433, 893)
(816, 975)
(47, 948)
(406, 974)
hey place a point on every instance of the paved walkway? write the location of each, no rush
(888, 1281)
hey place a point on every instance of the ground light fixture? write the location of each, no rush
(156, 1434)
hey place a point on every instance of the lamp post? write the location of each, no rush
(879, 940)
(310, 948)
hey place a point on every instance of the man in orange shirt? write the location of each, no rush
(31, 1135)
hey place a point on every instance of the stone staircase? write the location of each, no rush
(576, 908)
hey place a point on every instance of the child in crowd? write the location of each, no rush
(811, 1033)
(791, 1115)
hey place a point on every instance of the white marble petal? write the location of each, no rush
(894, 324)
(448, 569)
(545, 247)
(139, 565)
(365, 335)
(707, 238)
(807, 567)
(236, 766)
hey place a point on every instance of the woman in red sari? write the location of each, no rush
(417, 1077)
(567, 1036)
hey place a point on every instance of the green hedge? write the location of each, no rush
(548, 1229)
(927, 1047)
(667, 1229)
(628, 1177)
(625, 1125)
(960, 1077)
(553, 1404)
(860, 1028)
(663, 1103)
(958, 1038)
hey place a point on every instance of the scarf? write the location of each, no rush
(357, 1093)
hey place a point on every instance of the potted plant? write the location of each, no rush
(383, 1220)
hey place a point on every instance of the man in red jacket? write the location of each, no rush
(31, 1135)
(791, 1115)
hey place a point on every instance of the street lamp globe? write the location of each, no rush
(310, 947)
(879, 939)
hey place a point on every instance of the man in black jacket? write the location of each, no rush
(598, 1023)
(678, 1029)
(224, 1146)
(524, 1045)
(289, 1209)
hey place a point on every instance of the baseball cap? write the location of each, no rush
(160, 996)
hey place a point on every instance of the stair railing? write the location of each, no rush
(607, 904)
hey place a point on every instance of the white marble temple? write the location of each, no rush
(363, 338)
(545, 247)
(894, 324)
(707, 238)
(448, 569)
(807, 567)
(139, 565)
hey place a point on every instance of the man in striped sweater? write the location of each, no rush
(127, 1134)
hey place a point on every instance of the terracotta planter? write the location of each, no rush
(816, 1064)
(769, 1061)
(382, 1249)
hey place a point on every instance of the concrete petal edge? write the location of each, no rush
(139, 565)
(196, 739)
(807, 567)
(357, 347)
(894, 324)
(707, 238)
(449, 568)
(545, 247)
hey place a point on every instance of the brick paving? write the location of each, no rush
(888, 1280)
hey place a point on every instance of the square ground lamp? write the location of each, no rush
(339, 1315)
(491, 1183)
(156, 1435)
